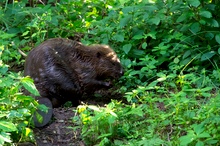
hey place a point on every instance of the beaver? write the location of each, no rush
(63, 70)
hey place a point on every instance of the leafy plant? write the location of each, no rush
(16, 109)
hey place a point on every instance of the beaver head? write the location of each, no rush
(108, 65)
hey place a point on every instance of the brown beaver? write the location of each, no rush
(63, 69)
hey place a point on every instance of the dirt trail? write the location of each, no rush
(58, 133)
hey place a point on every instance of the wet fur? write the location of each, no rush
(63, 69)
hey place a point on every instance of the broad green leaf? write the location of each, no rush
(144, 45)
(138, 37)
(209, 35)
(214, 23)
(25, 33)
(217, 38)
(205, 14)
(138, 53)
(7, 36)
(126, 48)
(207, 89)
(207, 55)
(28, 84)
(118, 37)
(126, 62)
(203, 135)
(195, 27)
(154, 20)
(38, 117)
(185, 140)
(4, 137)
(128, 9)
(211, 141)
(199, 143)
(124, 21)
(54, 21)
(218, 50)
(14, 114)
(186, 54)
(194, 3)
(198, 128)
(182, 17)
(176, 60)
(7, 126)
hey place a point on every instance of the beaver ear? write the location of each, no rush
(98, 55)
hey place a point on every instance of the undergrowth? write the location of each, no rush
(170, 52)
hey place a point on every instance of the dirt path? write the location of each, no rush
(58, 133)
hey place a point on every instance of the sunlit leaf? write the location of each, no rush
(28, 84)
(7, 126)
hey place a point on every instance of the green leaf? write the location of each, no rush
(194, 3)
(154, 20)
(207, 55)
(182, 17)
(217, 38)
(38, 117)
(7, 36)
(198, 128)
(218, 50)
(205, 14)
(7, 126)
(185, 140)
(176, 60)
(4, 137)
(186, 54)
(199, 143)
(126, 62)
(125, 21)
(209, 35)
(118, 37)
(203, 135)
(28, 84)
(214, 23)
(138, 37)
(126, 48)
(195, 27)
(144, 45)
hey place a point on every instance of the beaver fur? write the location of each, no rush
(63, 70)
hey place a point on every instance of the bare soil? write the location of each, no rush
(60, 131)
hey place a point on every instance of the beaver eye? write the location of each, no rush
(113, 63)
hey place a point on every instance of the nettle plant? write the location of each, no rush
(16, 109)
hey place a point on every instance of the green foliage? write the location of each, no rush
(173, 33)
(172, 110)
(170, 50)
(16, 110)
